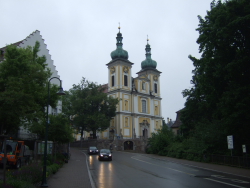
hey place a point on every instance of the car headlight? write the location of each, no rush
(101, 155)
(110, 155)
(96, 150)
(90, 150)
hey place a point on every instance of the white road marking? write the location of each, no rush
(163, 167)
(218, 176)
(234, 180)
(224, 183)
(200, 167)
(90, 177)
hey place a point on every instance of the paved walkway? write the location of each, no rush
(75, 173)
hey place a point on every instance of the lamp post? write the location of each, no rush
(60, 92)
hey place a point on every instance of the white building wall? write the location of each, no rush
(31, 41)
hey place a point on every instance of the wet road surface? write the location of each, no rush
(141, 171)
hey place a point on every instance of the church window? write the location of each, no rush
(126, 105)
(156, 110)
(144, 106)
(125, 80)
(113, 80)
(143, 85)
(155, 87)
(126, 122)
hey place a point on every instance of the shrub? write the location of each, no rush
(52, 169)
(31, 173)
(12, 183)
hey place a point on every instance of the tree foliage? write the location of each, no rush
(160, 140)
(219, 99)
(90, 107)
(59, 129)
(23, 83)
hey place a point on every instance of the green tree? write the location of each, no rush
(221, 87)
(92, 109)
(23, 93)
(160, 140)
(59, 129)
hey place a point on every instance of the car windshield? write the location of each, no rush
(92, 148)
(105, 151)
(10, 147)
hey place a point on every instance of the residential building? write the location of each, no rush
(30, 41)
(176, 126)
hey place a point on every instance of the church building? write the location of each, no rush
(138, 113)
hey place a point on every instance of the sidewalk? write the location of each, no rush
(72, 174)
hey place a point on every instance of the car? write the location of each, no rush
(93, 150)
(105, 154)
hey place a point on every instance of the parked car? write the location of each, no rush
(93, 150)
(105, 154)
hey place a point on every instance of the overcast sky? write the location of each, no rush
(81, 34)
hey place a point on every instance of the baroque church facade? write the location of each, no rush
(139, 112)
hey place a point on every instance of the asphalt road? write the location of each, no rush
(131, 170)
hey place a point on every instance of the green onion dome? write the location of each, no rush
(148, 62)
(119, 52)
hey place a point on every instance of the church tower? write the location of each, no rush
(119, 86)
(138, 113)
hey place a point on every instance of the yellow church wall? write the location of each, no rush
(126, 98)
(148, 105)
(139, 104)
(104, 134)
(158, 124)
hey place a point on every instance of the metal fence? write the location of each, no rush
(238, 161)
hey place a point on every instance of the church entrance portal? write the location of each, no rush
(128, 145)
(145, 133)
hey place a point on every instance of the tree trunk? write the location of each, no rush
(94, 134)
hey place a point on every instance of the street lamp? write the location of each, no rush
(60, 92)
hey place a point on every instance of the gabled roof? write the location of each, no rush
(106, 88)
(30, 40)
(177, 122)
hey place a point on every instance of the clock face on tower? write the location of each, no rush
(125, 69)
(155, 78)
(112, 69)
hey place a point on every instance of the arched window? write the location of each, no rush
(143, 85)
(155, 87)
(113, 80)
(144, 106)
(125, 80)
